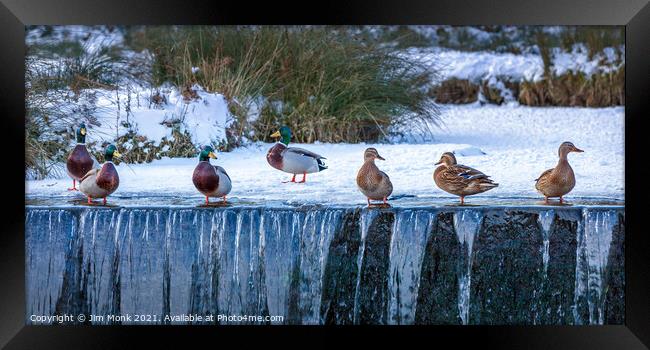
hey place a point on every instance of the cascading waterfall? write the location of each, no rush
(276, 261)
(466, 224)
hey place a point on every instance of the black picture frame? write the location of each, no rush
(634, 15)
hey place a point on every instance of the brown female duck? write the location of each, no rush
(560, 180)
(372, 182)
(79, 161)
(459, 179)
(101, 182)
(211, 180)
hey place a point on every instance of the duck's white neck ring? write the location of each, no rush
(284, 144)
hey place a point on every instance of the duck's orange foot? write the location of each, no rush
(104, 201)
(89, 200)
(74, 186)
(379, 205)
(293, 179)
(224, 199)
(304, 178)
(383, 204)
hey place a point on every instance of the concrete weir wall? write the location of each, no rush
(328, 265)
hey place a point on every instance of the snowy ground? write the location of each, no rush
(519, 143)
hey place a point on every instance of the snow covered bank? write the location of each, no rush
(484, 65)
(205, 116)
(512, 144)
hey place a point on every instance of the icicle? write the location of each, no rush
(410, 233)
(594, 240)
(145, 231)
(238, 227)
(118, 227)
(317, 232)
(466, 223)
(200, 250)
(545, 219)
(367, 217)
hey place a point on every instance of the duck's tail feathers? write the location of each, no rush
(321, 165)
(489, 185)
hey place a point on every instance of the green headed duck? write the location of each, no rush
(293, 160)
(79, 161)
(211, 180)
(101, 182)
(459, 179)
(560, 180)
(372, 182)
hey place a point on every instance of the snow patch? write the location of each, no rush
(206, 118)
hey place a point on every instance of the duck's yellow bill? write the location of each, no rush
(276, 134)
(117, 154)
(83, 131)
(212, 155)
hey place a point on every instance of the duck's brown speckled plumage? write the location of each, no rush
(459, 179)
(79, 162)
(558, 181)
(372, 182)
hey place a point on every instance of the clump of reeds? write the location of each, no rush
(325, 85)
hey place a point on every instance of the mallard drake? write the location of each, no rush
(79, 161)
(372, 182)
(459, 179)
(560, 180)
(293, 160)
(211, 180)
(101, 182)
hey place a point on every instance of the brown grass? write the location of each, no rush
(455, 91)
(491, 94)
(569, 89)
(576, 90)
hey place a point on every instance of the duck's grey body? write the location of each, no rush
(298, 161)
(225, 185)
